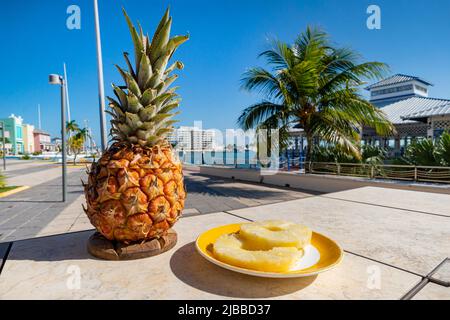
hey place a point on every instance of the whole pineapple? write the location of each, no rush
(135, 190)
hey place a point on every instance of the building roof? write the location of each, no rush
(399, 112)
(395, 79)
(439, 110)
(38, 131)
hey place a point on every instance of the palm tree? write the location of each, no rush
(78, 134)
(314, 86)
(72, 126)
(82, 133)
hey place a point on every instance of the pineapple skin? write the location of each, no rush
(135, 193)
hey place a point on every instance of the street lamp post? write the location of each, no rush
(59, 80)
(3, 145)
(101, 88)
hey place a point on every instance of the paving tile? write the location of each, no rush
(413, 241)
(45, 268)
(443, 273)
(403, 199)
(433, 292)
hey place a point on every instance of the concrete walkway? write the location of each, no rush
(39, 211)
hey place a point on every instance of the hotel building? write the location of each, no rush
(192, 139)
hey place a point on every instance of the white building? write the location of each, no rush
(192, 139)
(404, 100)
(397, 87)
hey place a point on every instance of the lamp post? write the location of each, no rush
(3, 145)
(101, 88)
(56, 79)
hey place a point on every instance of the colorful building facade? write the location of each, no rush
(14, 132)
(42, 141)
(28, 138)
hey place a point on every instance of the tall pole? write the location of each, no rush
(86, 137)
(101, 89)
(3, 146)
(89, 139)
(39, 116)
(63, 140)
(67, 93)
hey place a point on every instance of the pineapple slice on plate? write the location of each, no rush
(229, 248)
(266, 235)
(135, 190)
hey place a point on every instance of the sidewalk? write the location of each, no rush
(39, 211)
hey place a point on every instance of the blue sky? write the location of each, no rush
(226, 37)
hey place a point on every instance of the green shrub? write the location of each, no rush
(330, 153)
(425, 152)
(421, 153)
(26, 157)
(443, 149)
(373, 154)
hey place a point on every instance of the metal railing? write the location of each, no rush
(382, 171)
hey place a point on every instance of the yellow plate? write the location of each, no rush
(328, 254)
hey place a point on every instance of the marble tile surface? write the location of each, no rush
(402, 199)
(433, 291)
(413, 241)
(59, 267)
(443, 273)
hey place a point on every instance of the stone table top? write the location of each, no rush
(388, 252)
(433, 292)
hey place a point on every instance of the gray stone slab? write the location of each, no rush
(413, 241)
(433, 292)
(443, 273)
(50, 267)
(433, 203)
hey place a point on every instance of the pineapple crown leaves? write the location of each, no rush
(142, 109)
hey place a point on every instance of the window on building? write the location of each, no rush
(19, 132)
(391, 143)
(421, 89)
(392, 90)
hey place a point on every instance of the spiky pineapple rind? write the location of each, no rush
(135, 193)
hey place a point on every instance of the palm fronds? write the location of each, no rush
(315, 86)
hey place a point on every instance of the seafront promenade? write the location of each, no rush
(38, 211)
(395, 242)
